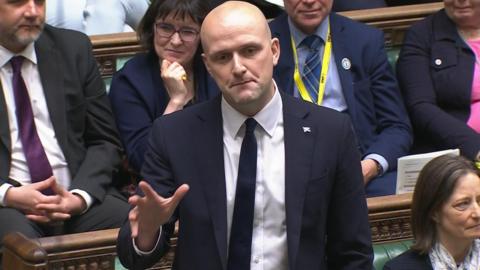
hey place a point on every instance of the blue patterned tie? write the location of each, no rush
(311, 70)
(240, 246)
(35, 155)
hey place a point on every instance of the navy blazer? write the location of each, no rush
(324, 192)
(374, 102)
(435, 70)
(138, 97)
(79, 110)
(409, 260)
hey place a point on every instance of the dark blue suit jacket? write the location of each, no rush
(409, 260)
(435, 70)
(323, 188)
(138, 97)
(374, 102)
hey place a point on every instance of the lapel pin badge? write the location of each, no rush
(307, 130)
(346, 64)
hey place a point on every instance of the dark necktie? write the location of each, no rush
(239, 251)
(36, 158)
(311, 70)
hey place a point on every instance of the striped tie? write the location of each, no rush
(311, 70)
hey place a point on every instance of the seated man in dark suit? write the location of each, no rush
(261, 179)
(58, 142)
(338, 63)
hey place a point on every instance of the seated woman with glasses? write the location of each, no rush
(167, 77)
(445, 218)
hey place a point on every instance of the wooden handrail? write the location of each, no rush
(374, 16)
(389, 203)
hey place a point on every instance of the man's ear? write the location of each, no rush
(275, 47)
(205, 61)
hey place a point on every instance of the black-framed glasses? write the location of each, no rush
(167, 30)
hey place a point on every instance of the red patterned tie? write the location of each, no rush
(37, 160)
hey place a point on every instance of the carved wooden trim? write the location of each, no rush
(389, 217)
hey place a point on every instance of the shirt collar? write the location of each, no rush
(299, 36)
(267, 118)
(29, 53)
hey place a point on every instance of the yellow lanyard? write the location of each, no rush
(327, 53)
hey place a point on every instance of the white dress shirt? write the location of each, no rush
(18, 167)
(269, 238)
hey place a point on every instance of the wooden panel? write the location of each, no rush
(392, 20)
(389, 218)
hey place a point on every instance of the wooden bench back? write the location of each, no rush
(389, 218)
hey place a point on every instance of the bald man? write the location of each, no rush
(256, 179)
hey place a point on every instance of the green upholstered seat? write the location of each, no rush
(382, 253)
(392, 55)
(120, 61)
(387, 251)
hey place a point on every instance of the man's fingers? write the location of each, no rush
(133, 219)
(133, 214)
(38, 218)
(50, 199)
(133, 200)
(41, 185)
(58, 189)
(179, 194)
(147, 190)
(51, 207)
(134, 228)
(57, 216)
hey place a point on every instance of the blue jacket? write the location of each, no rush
(435, 70)
(375, 105)
(409, 260)
(138, 97)
(326, 215)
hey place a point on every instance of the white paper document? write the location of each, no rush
(410, 166)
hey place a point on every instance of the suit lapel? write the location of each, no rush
(209, 142)
(4, 127)
(339, 40)
(299, 145)
(51, 77)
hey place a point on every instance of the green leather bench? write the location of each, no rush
(382, 253)
(386, 251)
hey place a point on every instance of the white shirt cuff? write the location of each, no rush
(3, 191)
(144, 253)
(85, 196)
(381, 160)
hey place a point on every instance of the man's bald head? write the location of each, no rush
(233, 14)
(240, 53)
